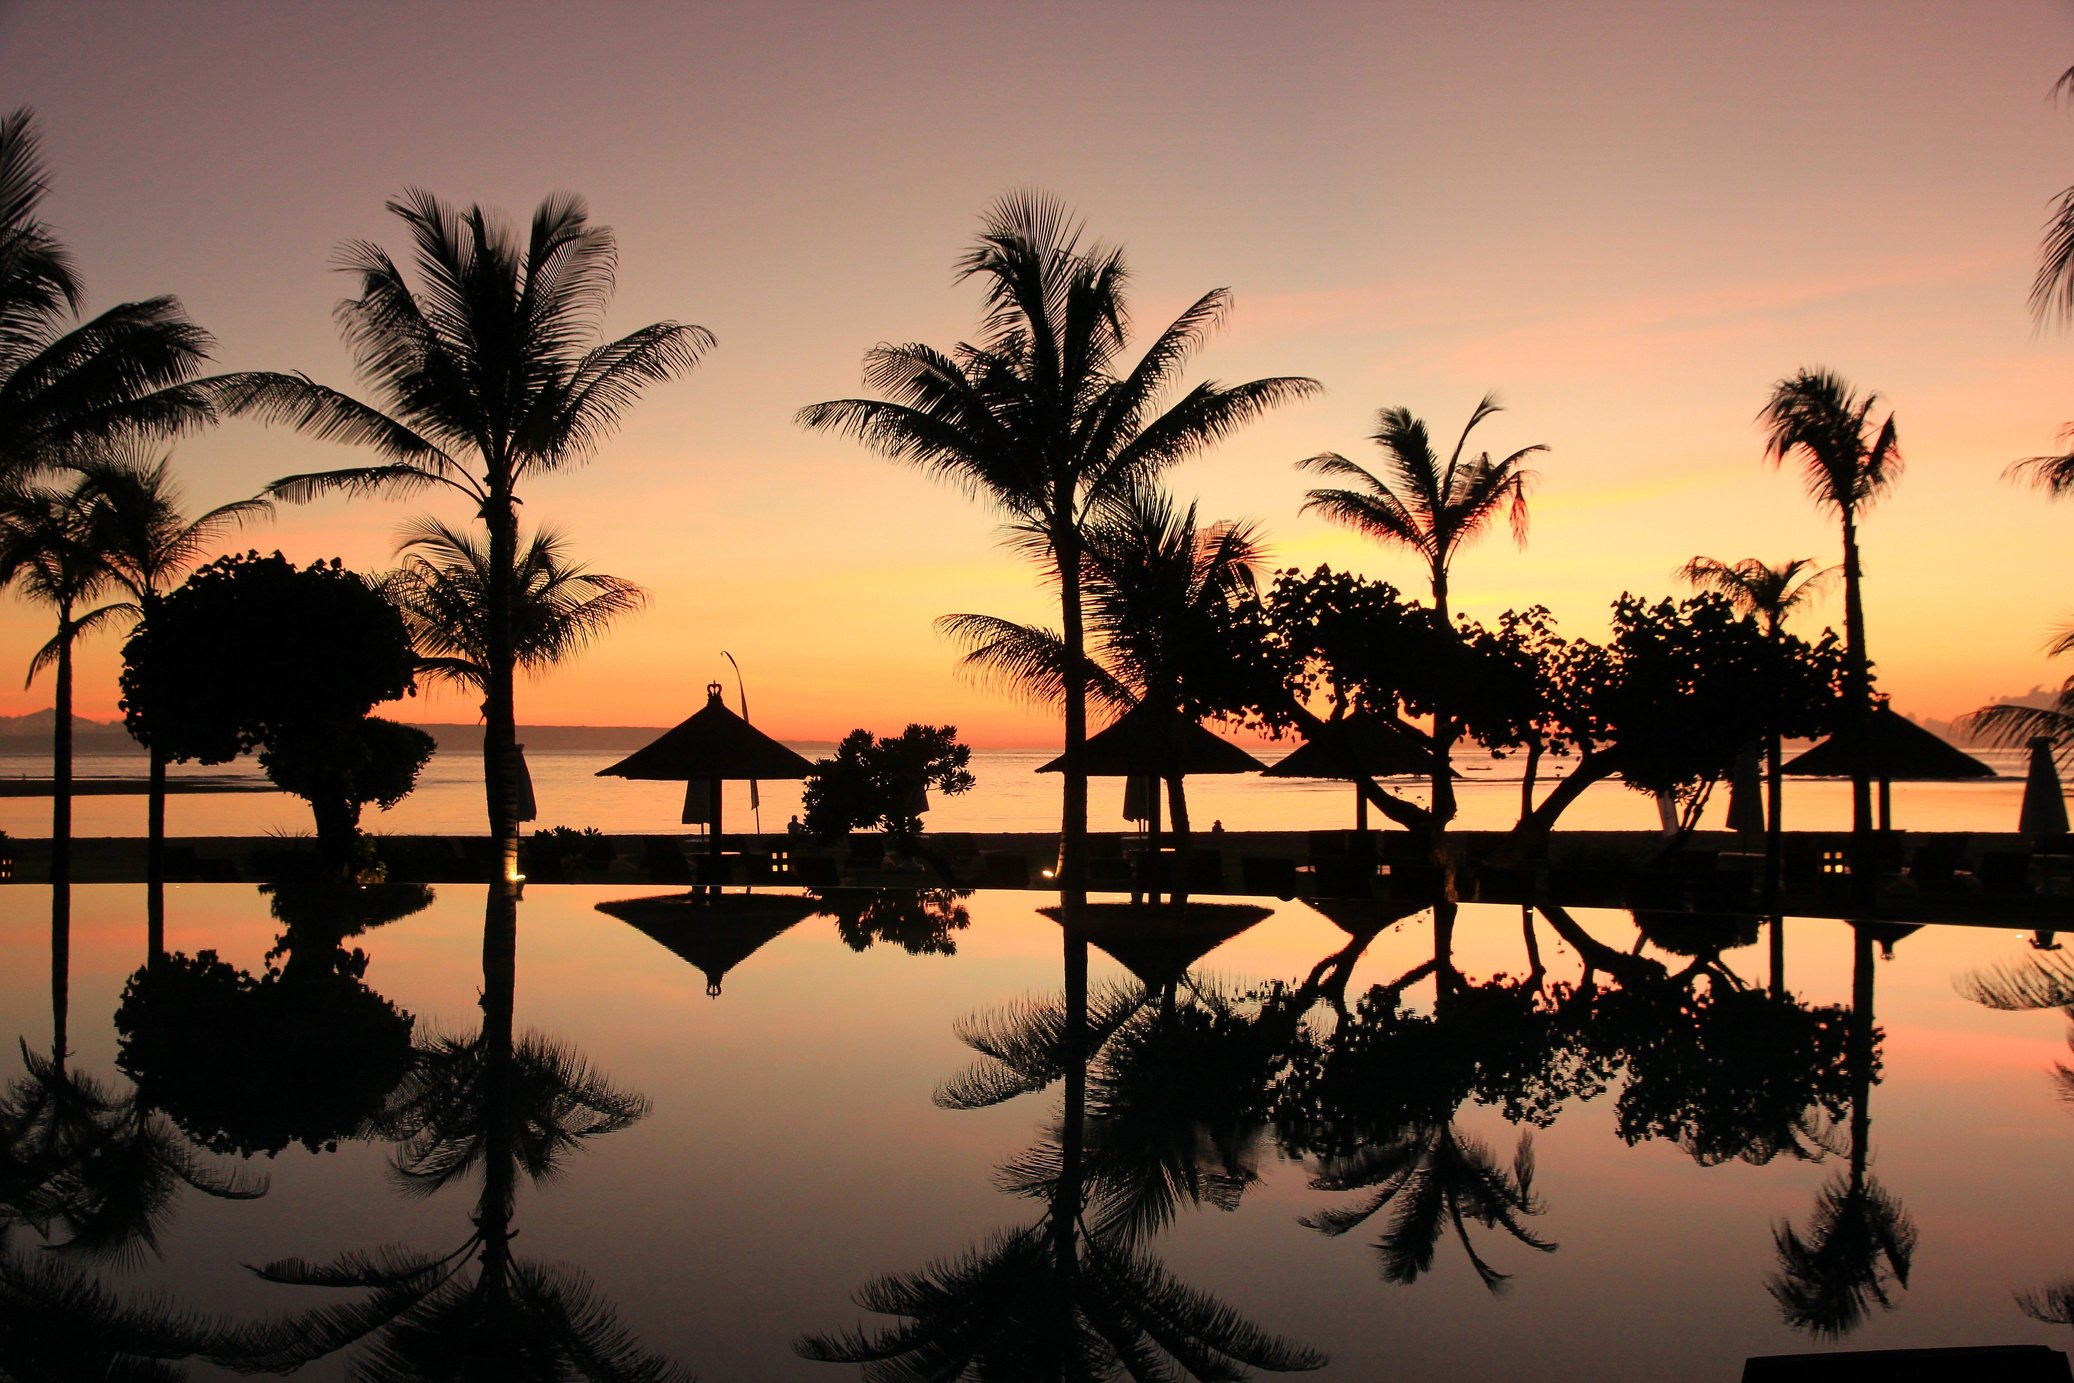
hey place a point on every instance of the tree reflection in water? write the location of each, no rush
(303, 1053)
(498, 1106)
(1077, 1294)
(89, 1175)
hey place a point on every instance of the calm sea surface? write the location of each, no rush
(1010, 796)
(1645, 1147)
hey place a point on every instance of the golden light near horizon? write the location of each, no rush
(1625, 244)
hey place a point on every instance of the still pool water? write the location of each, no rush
(1588, 1148)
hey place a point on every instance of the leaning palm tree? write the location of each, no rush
(1045, 419)
(50, 552)
(490, 378)
(1435, 508)
(68, 386)
(442, 588)
(2012, 725)
(1770, 592)
(1847, 462)
(147, 544)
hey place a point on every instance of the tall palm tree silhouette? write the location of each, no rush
(68, 387)
(1434, 508)
(1847, 462)
(491, 376)
(51, 551)
(2052, 300)
(1155, 582)
(147, 544)
(1770, 592)
(1044, 418)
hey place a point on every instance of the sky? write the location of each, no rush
(1629, 222)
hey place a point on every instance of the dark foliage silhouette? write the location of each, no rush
(490, 373)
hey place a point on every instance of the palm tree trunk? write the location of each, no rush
(155, 821)
(1443, 747)
(1073, 815)
(1858, 715)
(61, 757)
(1184, 841)
(1774, 808)
(500, 713)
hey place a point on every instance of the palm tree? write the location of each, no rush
(1155, 583)
(2052, 299)
(1434, 508)
(68, 386)
(2010, 725)
(489, 379)
(442, 589)
(1044, 419)
(1847, 462)
(1770, 592)
(147, 544)
(50, 551)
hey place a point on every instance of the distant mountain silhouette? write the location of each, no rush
(30, 734)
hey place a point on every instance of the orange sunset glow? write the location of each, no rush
(1627, 223)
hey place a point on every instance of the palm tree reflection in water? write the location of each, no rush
(1171, 1085)
(500, 1104)
(1859, 1239)
(1077, 1295)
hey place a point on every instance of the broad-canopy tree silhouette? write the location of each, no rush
(68, 387)
(1434, 508)
(442, 588)
(253, 652)
(1847, 462)
(1045, 419)
(490, 375)
(881, 782)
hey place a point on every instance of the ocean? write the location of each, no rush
(1010, 795)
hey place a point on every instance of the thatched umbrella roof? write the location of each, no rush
(1365, 918)
(1160, 942)
(1151, 741)
(1900, 751)
(712, 745)
(714, 933)
(1361, 745)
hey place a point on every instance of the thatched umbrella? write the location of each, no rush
(713, 934)
(1150, 742)
(2044, 813)
(1897, 750)
(1161, 942)
(1361, 746)
(711, 747)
